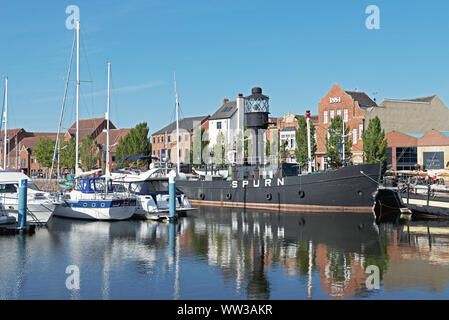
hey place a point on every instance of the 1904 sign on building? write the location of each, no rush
(433, 160)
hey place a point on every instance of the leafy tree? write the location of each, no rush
(68, 154)
(44, 151)
(302, 147)
(204, 143)
(332, 143)
(88, 153)
(374, 142)
(135, 143)
(219, 150)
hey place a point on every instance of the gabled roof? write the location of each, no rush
(422, 99)
(225, 111)
(88, 126)
(185, 124)
(362, 98)
(114, 137)
(11, 133)
(289, 129)
(33, 138)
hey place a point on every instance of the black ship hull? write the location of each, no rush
(348, 189)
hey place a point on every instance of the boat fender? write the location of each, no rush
(229, 196)
(202, 196)
(268, 196)
(301, 194)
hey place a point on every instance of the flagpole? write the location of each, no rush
(6, 122)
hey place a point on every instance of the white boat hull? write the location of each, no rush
(102, 214)
(37, 213)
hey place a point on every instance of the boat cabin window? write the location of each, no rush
(8, 188)
(147, 187)
(118, 188)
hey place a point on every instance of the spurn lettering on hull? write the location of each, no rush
(257, 183)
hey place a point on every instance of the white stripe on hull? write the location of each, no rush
(114, 213)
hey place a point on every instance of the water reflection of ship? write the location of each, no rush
(249, 243)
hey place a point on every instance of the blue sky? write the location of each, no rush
(294, 50)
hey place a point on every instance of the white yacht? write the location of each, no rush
(151, 191)
(40, 207)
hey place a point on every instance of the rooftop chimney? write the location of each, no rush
(225, 100)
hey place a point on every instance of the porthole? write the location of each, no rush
(102, 205)
(202, 196)
(94, 205)
(229, 196)
(301, 194)
(268, 196)
(85, 205)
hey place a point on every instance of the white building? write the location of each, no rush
(228, 120)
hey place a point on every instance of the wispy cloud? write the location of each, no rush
(122, 90)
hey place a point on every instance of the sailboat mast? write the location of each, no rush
(6, 122)
(107, 121)
(177, 128)
(77, 94)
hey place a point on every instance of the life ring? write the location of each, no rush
(301, 194)
(229, 196)
(202, 196)
(268, 196)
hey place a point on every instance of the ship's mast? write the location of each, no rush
(107, 126)
(77, 94)
(309, 144)
(177, 128)
(6, 122)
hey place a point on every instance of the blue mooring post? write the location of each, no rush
(172, 194)
(22, 207)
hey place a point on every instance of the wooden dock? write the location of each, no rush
(13, 229)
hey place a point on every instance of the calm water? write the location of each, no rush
(220, 253)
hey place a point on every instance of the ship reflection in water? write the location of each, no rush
(225, 253)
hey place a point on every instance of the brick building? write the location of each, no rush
(352, 106)
(286, 127)
(407, 151)
(21, 144)
(164, 143)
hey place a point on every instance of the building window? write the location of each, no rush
(345, 116)
(169, 138)
(187, 137)
(179, 138)
(219, 125)
(406, 158)
(158, 139)
(332, 114)
(154, 139)
(162, 139)
(325, 117)
(360, 131)
(354, 136)
(339, 113)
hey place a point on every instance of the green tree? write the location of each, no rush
(135, 143)
(204, 143)
(301, 151)
(44, 151)
(333, 141)
(374, 142)
(88, 153)
(68, 154)
(219, 150)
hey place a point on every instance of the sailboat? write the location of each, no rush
(40, 207)
(94, 198)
